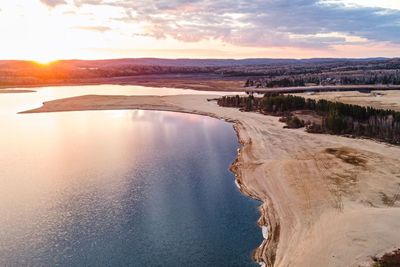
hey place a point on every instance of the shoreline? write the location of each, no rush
(265, 252)
(201, 83)
(194, 82)
(318, 209)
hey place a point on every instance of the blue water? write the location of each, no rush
(122, 188)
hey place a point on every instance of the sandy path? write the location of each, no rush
(328, 200)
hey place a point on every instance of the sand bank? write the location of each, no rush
(2, 91)
(327, 200)
(202, 82)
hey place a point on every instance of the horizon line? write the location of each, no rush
(206, 58)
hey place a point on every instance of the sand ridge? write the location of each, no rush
(327, 200)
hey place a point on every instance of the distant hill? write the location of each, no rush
(278, 72)
(17, 64)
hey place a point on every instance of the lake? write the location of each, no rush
(119, 188)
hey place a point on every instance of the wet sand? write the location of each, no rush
(327, 200)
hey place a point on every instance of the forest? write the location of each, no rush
(372, 77)
(270, 73)
(337, 118)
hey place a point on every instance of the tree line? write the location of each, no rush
(337, 118)
(310, 68)
(355, 78)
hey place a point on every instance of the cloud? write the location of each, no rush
(93, 28)
(299, 23)
(71, 12)
(53, 3)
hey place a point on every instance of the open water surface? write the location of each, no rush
(119, 188)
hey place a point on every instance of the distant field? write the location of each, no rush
(375, 99)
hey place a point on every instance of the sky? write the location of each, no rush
(47, 30)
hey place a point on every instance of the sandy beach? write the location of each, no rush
(327, 200)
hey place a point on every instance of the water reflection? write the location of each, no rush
(122, 188)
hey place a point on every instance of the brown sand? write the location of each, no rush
(202, 82)
(2, 91)
(327, 200)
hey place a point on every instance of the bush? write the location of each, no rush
(389, 260)
(292, 122)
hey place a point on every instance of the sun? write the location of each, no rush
(43, 55)
(44, 61)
